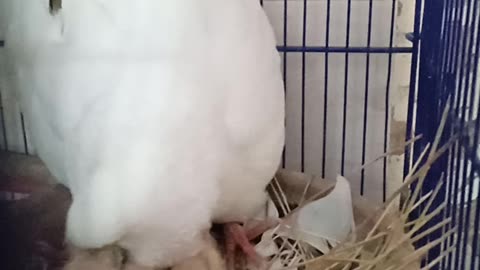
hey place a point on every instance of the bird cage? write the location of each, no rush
(361, 78)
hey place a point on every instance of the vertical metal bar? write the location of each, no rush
(475, 49)
(387, 99)
(476, 134)
(448, 209)
(365, 104)
(427, 112)
(443, 50)
(442, 59)
(475, 259)
(460, 158)
(325, 96)
(468, 91)
(285, 28)
(345, 89)
(449, 86)
(445, 74)
(445, 34)
(470, 154)
(446, 89)
(413, 78)
(4, 127)
(24, 134)
(453, 46)
(457, 82)
(454, 191)
(304, 44)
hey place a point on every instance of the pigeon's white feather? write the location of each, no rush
(159, 115)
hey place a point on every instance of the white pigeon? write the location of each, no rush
(160, 116)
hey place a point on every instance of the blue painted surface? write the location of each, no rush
(447, 65)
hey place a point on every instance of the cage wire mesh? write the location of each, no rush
(361, 77)
(448, 71)
(341, 59)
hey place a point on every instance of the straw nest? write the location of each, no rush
(383, 238)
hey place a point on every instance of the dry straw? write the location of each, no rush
(384, 237)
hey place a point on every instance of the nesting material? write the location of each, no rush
(382, 238)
